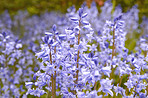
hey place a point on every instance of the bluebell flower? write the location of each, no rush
(106, 86)
(119, 90)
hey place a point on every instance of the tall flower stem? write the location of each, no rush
(135, 89)
(113, 51)
(120, 80)
(77, 72)
(113, 48)
(53, 77)
(54, 81)
(50, 57)
(95, 85)
(5, 56)
(145, 54)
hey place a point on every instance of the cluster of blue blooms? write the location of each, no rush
(83, 56)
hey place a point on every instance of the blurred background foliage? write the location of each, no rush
(40, 6)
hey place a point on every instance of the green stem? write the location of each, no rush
(77, 72)
(120, 80)
(135, 89)
(53, 77)
(78, 55)
(113, 47)
(95, 86)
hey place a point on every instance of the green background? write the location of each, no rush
(40, 6)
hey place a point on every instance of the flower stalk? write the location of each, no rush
(113, 47)
(77, 72)
(53, 77)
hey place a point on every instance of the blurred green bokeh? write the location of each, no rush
(37, 6)
(40, 6)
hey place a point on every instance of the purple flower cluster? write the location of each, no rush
(80, 67)
(85, 54)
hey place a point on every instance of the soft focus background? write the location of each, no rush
(40, 6)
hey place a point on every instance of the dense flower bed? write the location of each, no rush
(82, 54)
